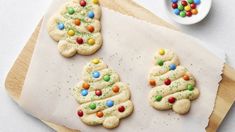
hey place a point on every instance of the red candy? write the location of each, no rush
(184, 3)
(171, 100)
(189, 13)
(121, 109)
(174, 5)
(79, 40)
(98, 92)
(83, 3)
(167, 81)
(80, 113)
(193, 6)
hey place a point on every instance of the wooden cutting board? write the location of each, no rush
(16, 76)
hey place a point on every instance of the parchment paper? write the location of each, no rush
(129, 46)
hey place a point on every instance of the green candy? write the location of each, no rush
(106, 78)
(182, 14)
(190, 1)
(158, 98)
(181, 7)
(92, 106)
(71, 10)
(160, 62)
(190, 87)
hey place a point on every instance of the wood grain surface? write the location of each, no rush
(16, 76)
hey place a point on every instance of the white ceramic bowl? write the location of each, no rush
(203, 9)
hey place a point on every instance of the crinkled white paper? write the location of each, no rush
(129, 46)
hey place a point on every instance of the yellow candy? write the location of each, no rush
(96, 1)
(91, 41)
(187, 8)
(71, 32)
(161, 51)
(95, 61)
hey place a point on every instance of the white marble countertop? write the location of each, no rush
(19, 18)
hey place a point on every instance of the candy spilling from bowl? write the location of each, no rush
(185, 8)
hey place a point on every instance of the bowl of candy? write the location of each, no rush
(188, 11)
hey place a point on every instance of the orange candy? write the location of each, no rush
(85, 85)
(99, 114)
(90, 28)
(186, 77)
(194, 11)
(77, 22)
(152, 83)
(115, 89)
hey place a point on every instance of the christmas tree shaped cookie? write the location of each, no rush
(103, 98)
(76, 28)
(173, 85)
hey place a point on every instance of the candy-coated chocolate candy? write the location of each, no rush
(161, 51)
(172, 66)
(71, 11)
(109, 103)
(121, 109)
(190, 1)
(80, 113)
(77, 22)
(96, 74)
(100, 114)
(174, 5)
(60, 26)
(194, 11)
(84, 92)
(160, 62)
(95, 61)
(91, 41)
(85, 85)
(92, 106)
(193, 6)
(90, 28)
(174, 1)
(83, 3)
(79, 40)
(180, 7)
(176, 11)
(158, 98)
(182, 14)
(106, 78)
(152, 83)
(197, 2)
(71, 32)
(167, 81)
(189, 13)
(91, 14)
(116, 89)
(98, 92)
(190, 87)
(187, 8)
(184, 3)
(186, 77)
(171, 100)
(96, 1)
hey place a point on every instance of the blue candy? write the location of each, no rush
(176, 11)
(172, 66)
(60, 26)
(84, 92)
(109, 103)
(91, 14)
(197, 2)
(174, 1)
(96, 74)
